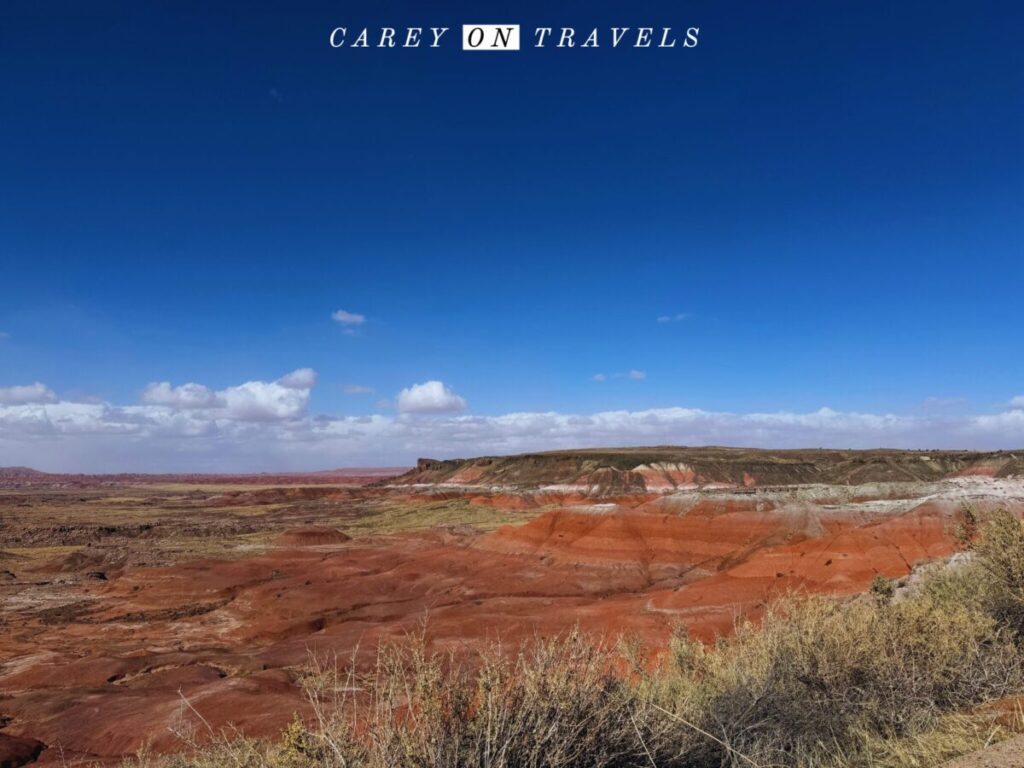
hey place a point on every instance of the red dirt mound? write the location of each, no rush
(310, 536)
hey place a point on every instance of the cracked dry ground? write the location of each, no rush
(119, 602)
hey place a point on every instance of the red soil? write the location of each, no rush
(230, 635)
(15, 751)
(980, 471)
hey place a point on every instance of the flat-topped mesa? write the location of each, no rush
(614, 471)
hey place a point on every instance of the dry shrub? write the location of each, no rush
(951, 736)
(991, 581)
(554, 703)
(818, 676)
(999, 553)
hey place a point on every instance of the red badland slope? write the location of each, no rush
(704, 562)
(106, 677)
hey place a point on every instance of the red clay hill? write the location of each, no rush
(118, 600)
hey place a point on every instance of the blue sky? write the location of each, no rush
(831, 194)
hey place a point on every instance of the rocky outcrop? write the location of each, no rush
(311, 536)
(611, 472)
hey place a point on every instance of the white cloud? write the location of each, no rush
(301, 378)
(429, 397)
(998, 422)
(263, 425)
(633, 374)
(348, 318)
(27, 393)
(264, 401)
(357, 389)
(257, 401)
(1017, 403)
(676, 318)
(184, 396)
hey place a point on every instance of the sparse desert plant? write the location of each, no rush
(999, 551)
(882, 589)
(951, 736)
(966, 524)
(552, 704)
(991, 578)
(818, 678)
(967, 584)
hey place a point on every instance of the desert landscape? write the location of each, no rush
(128, 603)
(494, 385)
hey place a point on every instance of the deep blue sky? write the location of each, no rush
(833, 191)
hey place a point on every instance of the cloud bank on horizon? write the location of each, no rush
(267, 425)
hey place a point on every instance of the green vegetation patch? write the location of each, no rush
(388, 517)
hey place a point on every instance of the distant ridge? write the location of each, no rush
(607, 471)
(19, 477)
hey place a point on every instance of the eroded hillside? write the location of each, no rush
(118, 602)
(633, 470)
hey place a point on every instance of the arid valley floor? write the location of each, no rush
(123, 596)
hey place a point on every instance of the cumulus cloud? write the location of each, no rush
(676, 318)
(257, 401)
(264, 401)
(302, 378)
(357, 389)
(27, 393)
(348, 318)
(264, 425)
(1017, 403)
(184, 396)
(429, 397)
